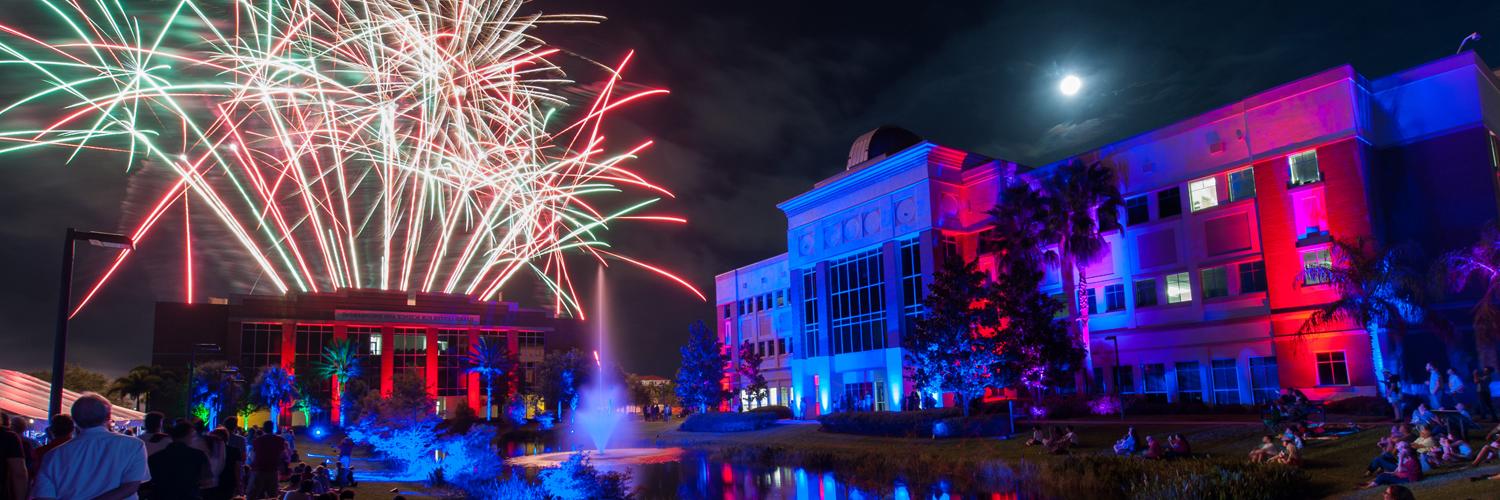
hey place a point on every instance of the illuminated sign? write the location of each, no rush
(406, 317)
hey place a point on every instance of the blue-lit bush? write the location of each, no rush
(578, 479)
(780, 411)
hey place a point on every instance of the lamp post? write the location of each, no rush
(1116, 368)
(192, 373)
(64, 303)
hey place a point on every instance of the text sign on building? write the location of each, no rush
(405, 317)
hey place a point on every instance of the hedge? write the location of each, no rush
(780, 411)
(728, 422)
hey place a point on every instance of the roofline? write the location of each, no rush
(780, 256)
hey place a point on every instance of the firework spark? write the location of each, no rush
(423, 145)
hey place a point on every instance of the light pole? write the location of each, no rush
(192, 364)
(64, 299)
(1116, 368)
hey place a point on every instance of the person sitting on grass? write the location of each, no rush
(1408, 470)
(1422, 415)
(1177, 447)
(1154, 449)
(1294, 434)
(1454, 449)
(1265, 451)
(1064, 443)
(1290, 454)
(1425, 442)
(1037, 439)
(1386, 461)
(1490, 451)
(1126, 445)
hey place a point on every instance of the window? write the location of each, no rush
(809, 313)
(1215, 282)
(1124, 379)
(1145, 293)
(1092, 300)
(260, 345)
(1179, 288)
(1242, 184)
(1332, 368)
(780, 298)
(950, 247)
(310, 340)
(1189, 381)
(1137, 210)
(1315, 259)
(1226, 382)
(857, 302)
(1114, 297)
(1253, 277)
(864, 396)
(781, 346)
(1264, 382)
(366, 342)
(452, 360)
(1204, 193)
(529, 339)
(726, 311)
(1154, 382)
(409, 347)
(1169, 203)
(911, 281)
(1304, 167)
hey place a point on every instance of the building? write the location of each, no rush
(428, 335)
(755, 306)
(1222, 212)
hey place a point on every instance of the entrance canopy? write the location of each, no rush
(25, 395)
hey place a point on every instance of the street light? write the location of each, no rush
(64, 297)
(1116, 368)
(192, 363)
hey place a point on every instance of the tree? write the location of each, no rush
(955, 346)
(749, 373)
(560, 376)
(1479, 265)
(408, 404)
(1376, 290)
(1085, 203)
(703, 363)
(139, 383)
(492, 361)
(77, 379)
(276, 390)
(212, 383)
(640, 394)
(340, 363)
(1033, 342)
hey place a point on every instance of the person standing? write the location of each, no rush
(1434, 387)
(346, 451)
(1393, 393)
(1455, 387)
(61, 431)
(268, 458)
(234, 456)
(1486, 404)
(13, 482)
(179, 470)
(97, 463)
(152, 435)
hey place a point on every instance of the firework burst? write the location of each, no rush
(427, 145)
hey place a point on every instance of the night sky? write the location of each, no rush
(766, 98)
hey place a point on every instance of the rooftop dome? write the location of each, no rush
(879, 142)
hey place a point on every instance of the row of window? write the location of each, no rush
(260, 345)
(1223, 378)
(774, 347)
(856, 303)
(1204, 193)
(1179, 287)
(759, 303)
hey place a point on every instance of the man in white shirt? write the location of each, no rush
(97, 463)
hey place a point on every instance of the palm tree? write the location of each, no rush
(1086, 201)
(1480, 264)
(276, 389)
(140, 382)
(491, 360)
(212, 383)
(340, 362)
(1376, 290)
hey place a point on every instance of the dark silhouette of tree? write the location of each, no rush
(1033, 341)
(703, 362)
(1478, 265)
(560, 377)
(140, 382)
(749, 373)
(1376, 290)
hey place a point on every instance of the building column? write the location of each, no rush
(288, 356)
(475, 392)
(431, 371)
(340, 332)
(387, 360)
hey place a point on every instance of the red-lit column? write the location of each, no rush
(288, 356)
(513, 348)
(475, 392)
(387, 359)
(431, 373)
(340, 332)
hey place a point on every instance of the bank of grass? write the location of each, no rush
(1333, 468)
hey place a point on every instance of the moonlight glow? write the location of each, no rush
(1070, 85)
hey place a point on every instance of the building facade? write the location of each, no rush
(755, 307)
(427, 335)
(1197, 295)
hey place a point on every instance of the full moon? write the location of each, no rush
(1070, 85)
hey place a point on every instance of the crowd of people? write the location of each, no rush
(1174, 446)
(1412, 450)
(181, 459)
(1057, 441)
(657, 412)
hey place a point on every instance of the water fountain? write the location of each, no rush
(600, 416)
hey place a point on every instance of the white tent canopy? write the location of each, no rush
(25, 395)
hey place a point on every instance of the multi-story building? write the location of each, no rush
(755, 307)
(1197, 295)
(428, 335)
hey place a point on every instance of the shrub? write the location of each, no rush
(1102, 476)
(973, 426)
(1365, 406)
(727, 422)
(884, 423)
(576, 478)
(780, 411)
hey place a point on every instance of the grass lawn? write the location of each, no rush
(314, 452)
(1335, 466)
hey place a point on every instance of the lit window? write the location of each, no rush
(1145, 293)
(1242, 184)
(1264, 380)
(1315, 259)
(1114, 298)
(1204, 193)
(1215, 282)
(1304, 167)
(1179, 288)
(1226, 382)
(1189, 381)
(1154, 382)
(1332, 368)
